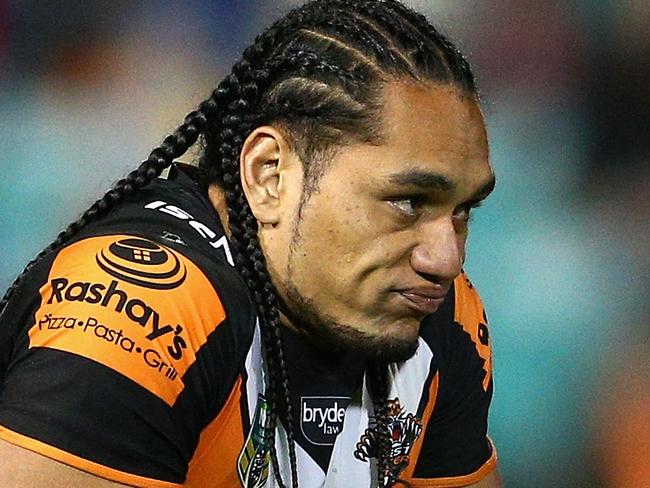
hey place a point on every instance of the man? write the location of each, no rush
(294, 311)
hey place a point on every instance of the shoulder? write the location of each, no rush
(176, 211)
(142, 314)
(137, 305)
(149, 287)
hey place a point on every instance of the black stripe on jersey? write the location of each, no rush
(117, 423)
(431, 326)
(20, 313)
(209, 381)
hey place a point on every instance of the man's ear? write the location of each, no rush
(260, 167)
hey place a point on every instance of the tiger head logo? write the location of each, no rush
(403, 428)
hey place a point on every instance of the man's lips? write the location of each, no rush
(425, 299)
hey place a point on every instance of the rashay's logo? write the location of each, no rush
(139, 262)
(143, 263)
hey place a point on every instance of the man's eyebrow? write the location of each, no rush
(423, 180)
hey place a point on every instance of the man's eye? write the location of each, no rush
(407, 206)
(463, 212)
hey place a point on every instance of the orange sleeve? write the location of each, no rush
(214, 462)
(102, 371)
(458, 481)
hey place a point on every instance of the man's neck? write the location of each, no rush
(310, 352)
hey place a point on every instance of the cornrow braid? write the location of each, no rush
(429, 49)
(356, 30)
(457, 65)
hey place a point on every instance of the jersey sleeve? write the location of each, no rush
(122, 363)
(455, 450)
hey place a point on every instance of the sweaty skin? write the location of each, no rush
(386, 225)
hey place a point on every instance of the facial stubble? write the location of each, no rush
(328, 332)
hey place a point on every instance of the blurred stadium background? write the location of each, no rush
(561, 251)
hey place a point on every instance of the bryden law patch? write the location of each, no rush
(321, 418)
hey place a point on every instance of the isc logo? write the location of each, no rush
(321, 418)
(203, 230)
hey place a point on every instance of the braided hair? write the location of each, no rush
(316, 74)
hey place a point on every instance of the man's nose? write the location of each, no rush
(440, 250)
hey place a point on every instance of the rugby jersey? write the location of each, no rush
(133, 353)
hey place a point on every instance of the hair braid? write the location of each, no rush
(355, 30)
(307, 62)
(250, 260)
(451, 56)
(244, 236)
(378, 386)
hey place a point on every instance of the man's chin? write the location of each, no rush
(396, 345)
(371, 348)
(393, 351)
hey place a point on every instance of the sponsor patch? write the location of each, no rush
(130, 304)
(143, 263)
(321, 418)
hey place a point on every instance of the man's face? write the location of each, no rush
(376, 247)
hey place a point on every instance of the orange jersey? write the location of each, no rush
(133, 353)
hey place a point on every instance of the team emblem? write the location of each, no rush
(253, 463)
(404, 429)
(142, 262)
